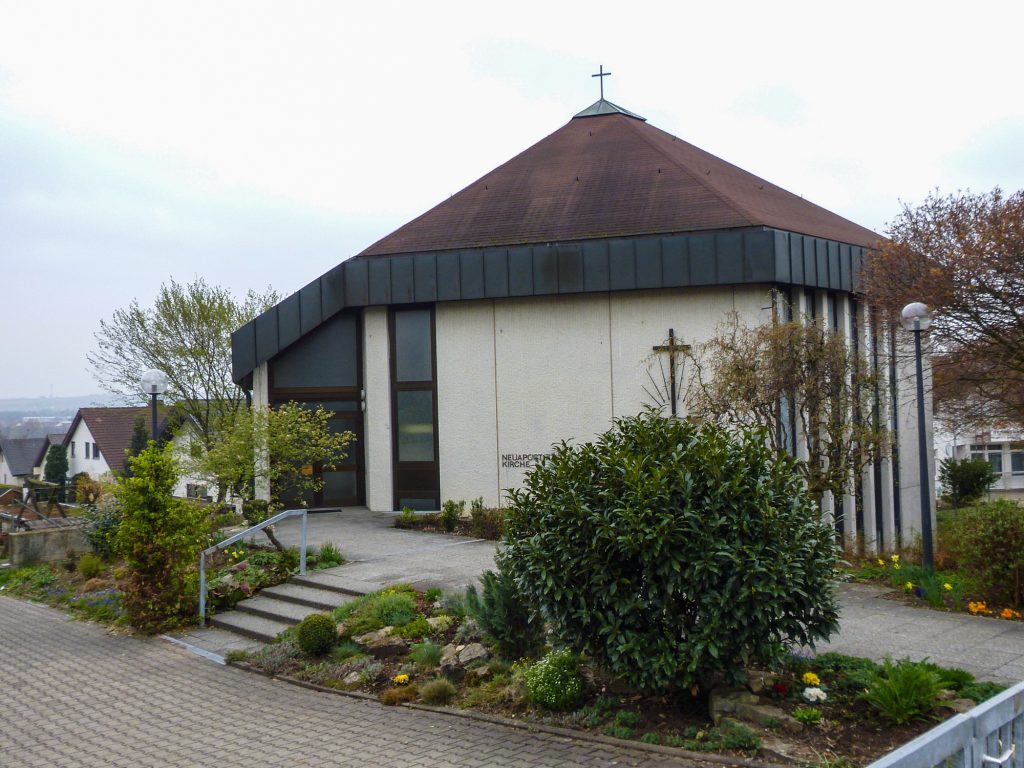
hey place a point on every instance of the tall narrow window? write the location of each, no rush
(414, 409)
(87, 450)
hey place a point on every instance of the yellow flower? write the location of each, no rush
(978, 607)
(1009, 613)
(895, 566)
(895, 558)
(948, 587)
(810, 678)
(400, 679)
(909, 585)
(881, 562)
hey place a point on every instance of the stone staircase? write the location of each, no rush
(275, 609)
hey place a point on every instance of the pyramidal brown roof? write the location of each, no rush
(112, 428)
(608, 173)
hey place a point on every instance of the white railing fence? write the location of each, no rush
(990, 735)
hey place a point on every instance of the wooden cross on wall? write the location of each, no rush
(673, 347)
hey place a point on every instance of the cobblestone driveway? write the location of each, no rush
(71, 694)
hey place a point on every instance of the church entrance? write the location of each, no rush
(323, 369)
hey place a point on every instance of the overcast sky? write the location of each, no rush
(262, 143)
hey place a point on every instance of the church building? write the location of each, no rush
(526, 308)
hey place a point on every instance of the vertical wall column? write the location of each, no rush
(377, 417)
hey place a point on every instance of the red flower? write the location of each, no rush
(780, 689)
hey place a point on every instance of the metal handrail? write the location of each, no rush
(239, 536)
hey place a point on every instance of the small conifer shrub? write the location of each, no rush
(316, 634)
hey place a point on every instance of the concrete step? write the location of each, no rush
(335, 582)
(249, 625)
(278, 610)
(302, 594)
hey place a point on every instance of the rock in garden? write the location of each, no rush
(961, 705)
(352, 678)
(768, 716)
(723, 701)
(472, 652)
(382, 644)
(946, 695)
(94, 585)
(450, 666)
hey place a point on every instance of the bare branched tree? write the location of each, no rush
(782, 375)
(187, 335)
(963, 255)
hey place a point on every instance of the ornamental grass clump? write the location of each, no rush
(437, 692)
(671, 552)
(554, 682)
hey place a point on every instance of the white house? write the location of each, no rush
(21, 459)
(1002, 446)
(99, 439)
(525, 309)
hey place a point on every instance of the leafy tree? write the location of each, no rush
(672, 552)
(773, 373)
(159, 538)
(963, 255)
(187, 335)
(140, 436)
(965, 480)
(273, 448)
(56, 465)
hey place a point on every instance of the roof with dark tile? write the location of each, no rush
(23, 454)
(112, 428)
(611, 174)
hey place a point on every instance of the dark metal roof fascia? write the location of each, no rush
(688, 259)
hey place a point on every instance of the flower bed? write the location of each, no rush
(403, 646)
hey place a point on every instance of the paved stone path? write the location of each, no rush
(74, 695)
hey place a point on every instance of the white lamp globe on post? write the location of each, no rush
(154, 384)
(916, 318)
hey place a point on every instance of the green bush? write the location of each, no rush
(159, 538)
(437, 692)
(670, 551)
(503, 615)
(451, 511)
(904, 691)
(395, 608)
(965, 480)
(554, 682)
(417, 628)
(487, 523)
(981, 691)
(990, 539)
(100, 523)
(316, 634)
(89, 566)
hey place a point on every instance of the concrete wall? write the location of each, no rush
(517, 375)
(46, 545)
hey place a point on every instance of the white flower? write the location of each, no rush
(814, 695)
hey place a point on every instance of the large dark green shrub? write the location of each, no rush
(56, 464)
(965, 480)
(990, 544)
(504, 616)
(669, 551)
(159, 538)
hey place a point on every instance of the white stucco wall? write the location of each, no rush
(377, 416)
(96, 468)
(6, 476)
(517, 375)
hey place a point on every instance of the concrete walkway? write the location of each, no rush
(870, 624)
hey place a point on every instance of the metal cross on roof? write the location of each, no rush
(601, 75)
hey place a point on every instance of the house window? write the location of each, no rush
(95, 451)
(993, 454)
(1017, 462)
(72, 449)
(87, 450)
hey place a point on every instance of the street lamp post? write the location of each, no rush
(916, 318)
(154, 384)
